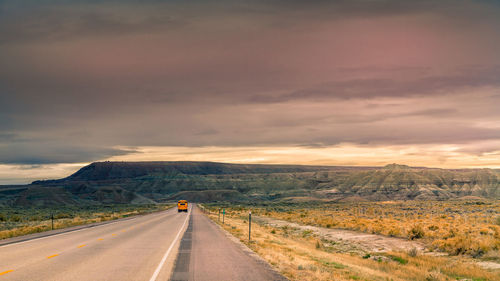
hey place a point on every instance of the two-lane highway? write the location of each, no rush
(134, 249)
(160, 246)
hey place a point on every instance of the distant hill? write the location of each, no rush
(121, 170)
(148, 182)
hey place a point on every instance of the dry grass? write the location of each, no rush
(22, 225)
(456, 227)
(304, 256)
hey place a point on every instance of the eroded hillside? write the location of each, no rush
(146, 182)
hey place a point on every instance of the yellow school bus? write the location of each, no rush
(182, 206)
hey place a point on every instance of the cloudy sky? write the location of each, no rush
(352, 82)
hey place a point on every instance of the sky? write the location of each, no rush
(348, 82)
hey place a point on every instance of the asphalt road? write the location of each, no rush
(207, 254)
(160, 246)
(134, 249)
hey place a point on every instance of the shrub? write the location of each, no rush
(462, 245)
(394, 232)
(62, 216)
(413, 252)
(400, 260)
(416, 232)
(15, 218)
(433, 277)
(433, 227)
(306, 233)
(452, 233)
(476, 252)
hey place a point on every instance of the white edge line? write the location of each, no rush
(72, 231)
(158, 269)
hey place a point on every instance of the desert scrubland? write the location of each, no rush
(432, 240)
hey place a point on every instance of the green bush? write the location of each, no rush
(400, 260)
(15, 218)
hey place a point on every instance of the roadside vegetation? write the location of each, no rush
(17, 221)
(455, 227)
(456, 234)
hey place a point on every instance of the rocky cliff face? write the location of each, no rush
(397, 182)
(145, 182)
(122, 170)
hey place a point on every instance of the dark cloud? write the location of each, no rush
(470, 78)
(438, 133)
(80, 78)
(7, 137)
(32, 21)
(439, 112)
(342, 9)
(52, 24)
(36, 153)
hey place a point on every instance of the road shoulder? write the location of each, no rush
(208, 252)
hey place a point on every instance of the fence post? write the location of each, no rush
(249, 225)
(52, 218)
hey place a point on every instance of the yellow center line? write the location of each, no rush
(49, 257)
(81, 246)
(123, 230)
(100, 239)
(114, 234)
(5, 272)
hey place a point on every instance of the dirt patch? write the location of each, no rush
(489, 265)
(358, 242)
(349, 240)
